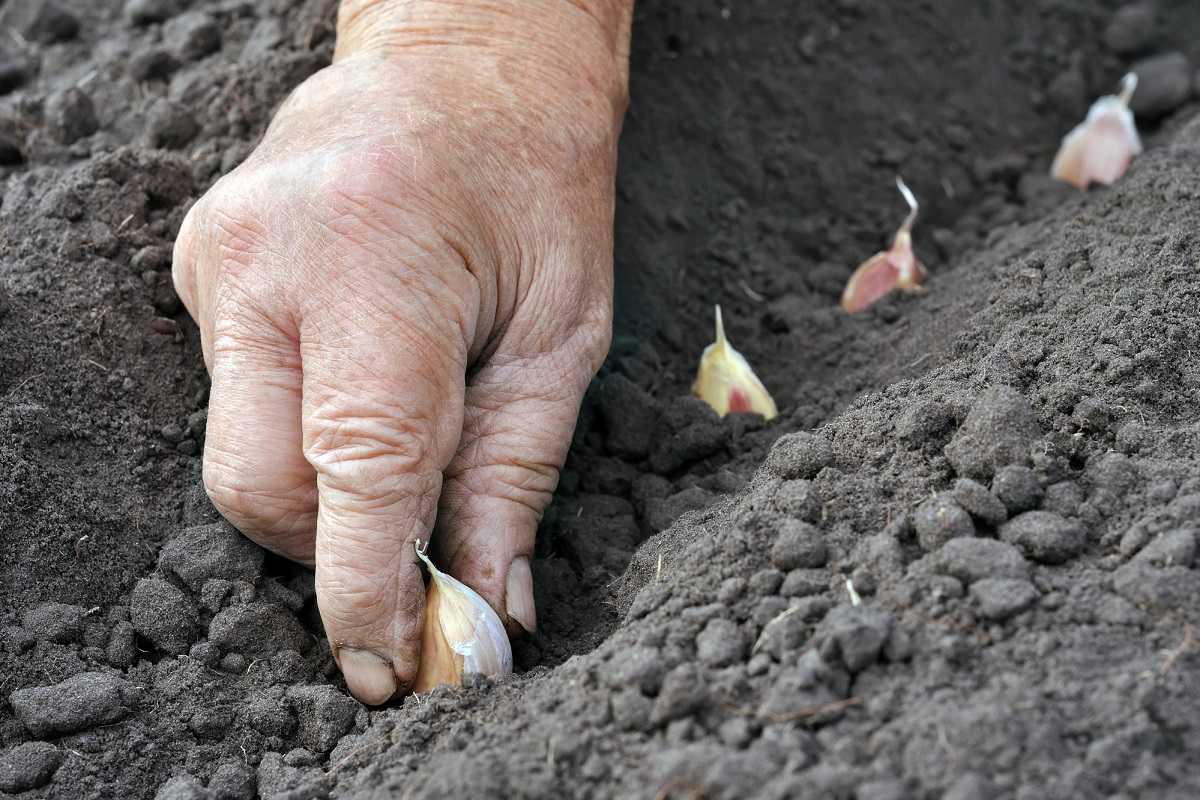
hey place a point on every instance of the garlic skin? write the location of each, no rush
(894, 269)
(727, 383)
(1099, 149)
(462, 634)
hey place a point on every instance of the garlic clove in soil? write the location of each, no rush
(462, 634)
(892, 269)
(727, 383)
(1100, 148)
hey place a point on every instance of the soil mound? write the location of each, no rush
(960, 563)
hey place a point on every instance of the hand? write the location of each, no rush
(402, 295)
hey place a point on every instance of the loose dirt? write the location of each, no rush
(958, 565)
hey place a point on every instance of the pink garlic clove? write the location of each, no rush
(1101, 147)
(894, 269)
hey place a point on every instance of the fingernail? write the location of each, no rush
(370, 678)
(519, 594)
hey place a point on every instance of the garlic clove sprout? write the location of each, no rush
(894, 269)
(462, 634)
(1099, 149)
(727, 383)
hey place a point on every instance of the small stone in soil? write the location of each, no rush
(971, 559)
(1170, 549)
(211, 551)
(638, 667)
(859, 633)
(979, 502)
(325, 715)
(804, 582)
(28, 766)
(269, 716)
(170, 126)
(1017, 487)
(798, 499)
(630, 416)
(300, 757)
(234, 663)
(765, 582)
(277, 779)
(122, 645)
(784, 633)
(182, 787)
(1164, 83)
(80, 702)
(1001, 598)
(731, 590)
(1063, 498)
(205, 653)
(233, 780)
(70, 115)
(940, 519)
(924, 421)
(210, 723)
(797, 544)
(54, 622)
(1044, 537)
(696, 441)
(1000, 429)
(151, 64)
(661, 514)
(1161, 587)
(258, 630)
(163, 614)
(799, 455)
(17, 640)
(192, 35)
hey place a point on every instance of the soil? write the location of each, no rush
(958, 565)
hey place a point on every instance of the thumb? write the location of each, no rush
(382, 415)
(517, 427)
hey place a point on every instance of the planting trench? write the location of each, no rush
(1004, 468)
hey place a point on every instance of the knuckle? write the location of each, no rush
(372, 450)
(248, 502)
(523, 482)
(596, 336)
(238, 239)
(227, 226)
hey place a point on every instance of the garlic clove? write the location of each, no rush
(1100, 149)
(894, 269)
(462, 634)
(727, 383)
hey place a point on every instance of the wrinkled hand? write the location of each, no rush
(402, 295)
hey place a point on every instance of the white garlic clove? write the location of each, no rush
(896, 268)
(1100, 149)
(727, 383)
(462, 634)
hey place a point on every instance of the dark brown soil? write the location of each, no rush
(1004, 468)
